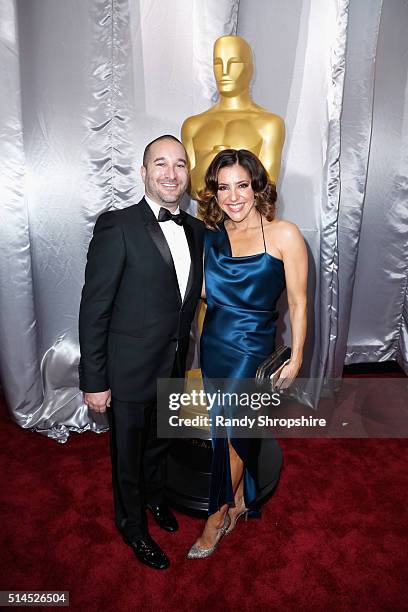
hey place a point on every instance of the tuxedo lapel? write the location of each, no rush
(189, 232)
(158, 238)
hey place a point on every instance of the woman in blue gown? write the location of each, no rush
(249, 258)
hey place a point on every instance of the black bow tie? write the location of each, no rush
(166, 215)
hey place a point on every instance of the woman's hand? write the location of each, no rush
(288, 374)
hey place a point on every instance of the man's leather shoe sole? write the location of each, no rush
(148, 552)
(164, 517)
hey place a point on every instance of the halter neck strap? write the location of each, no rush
(263, 233)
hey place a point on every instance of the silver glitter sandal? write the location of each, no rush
(196, 552)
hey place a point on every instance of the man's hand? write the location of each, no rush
(98, 401)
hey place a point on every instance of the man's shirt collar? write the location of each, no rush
(156, 207)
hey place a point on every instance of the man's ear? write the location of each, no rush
(143, 173)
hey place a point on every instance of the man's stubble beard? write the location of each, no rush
(169, 200)
(164, 199)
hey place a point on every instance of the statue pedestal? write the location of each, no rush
(188, 473)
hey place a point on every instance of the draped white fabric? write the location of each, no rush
(87, 84)
(378, 325)
(92, 83)
(300, 76)
(337, 72)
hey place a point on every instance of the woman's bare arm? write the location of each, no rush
(294, 254)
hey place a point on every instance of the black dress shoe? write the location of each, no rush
(164, 517)
(148, 552)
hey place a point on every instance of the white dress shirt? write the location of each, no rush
(178, 245)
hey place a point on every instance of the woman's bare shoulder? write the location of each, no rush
(285, 229)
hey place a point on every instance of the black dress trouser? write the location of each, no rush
(138, 461)
(138, 464)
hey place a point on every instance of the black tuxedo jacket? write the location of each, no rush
(132, 318)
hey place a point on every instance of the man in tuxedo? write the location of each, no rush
(142, 283)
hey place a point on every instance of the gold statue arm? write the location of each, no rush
(187, 135)
(271, 150)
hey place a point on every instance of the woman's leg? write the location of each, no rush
(237, 477)
(216, 521)
(237, 473)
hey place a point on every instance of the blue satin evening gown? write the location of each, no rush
(238, 334)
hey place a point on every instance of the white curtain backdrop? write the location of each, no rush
(378, 321)
(86, 84)
(299, 56)
(337, 72)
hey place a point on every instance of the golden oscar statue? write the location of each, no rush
(235, 122)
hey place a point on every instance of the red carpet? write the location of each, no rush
(333, 537)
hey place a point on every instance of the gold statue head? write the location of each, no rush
(233, 65)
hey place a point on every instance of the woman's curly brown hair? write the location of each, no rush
(264, 189)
